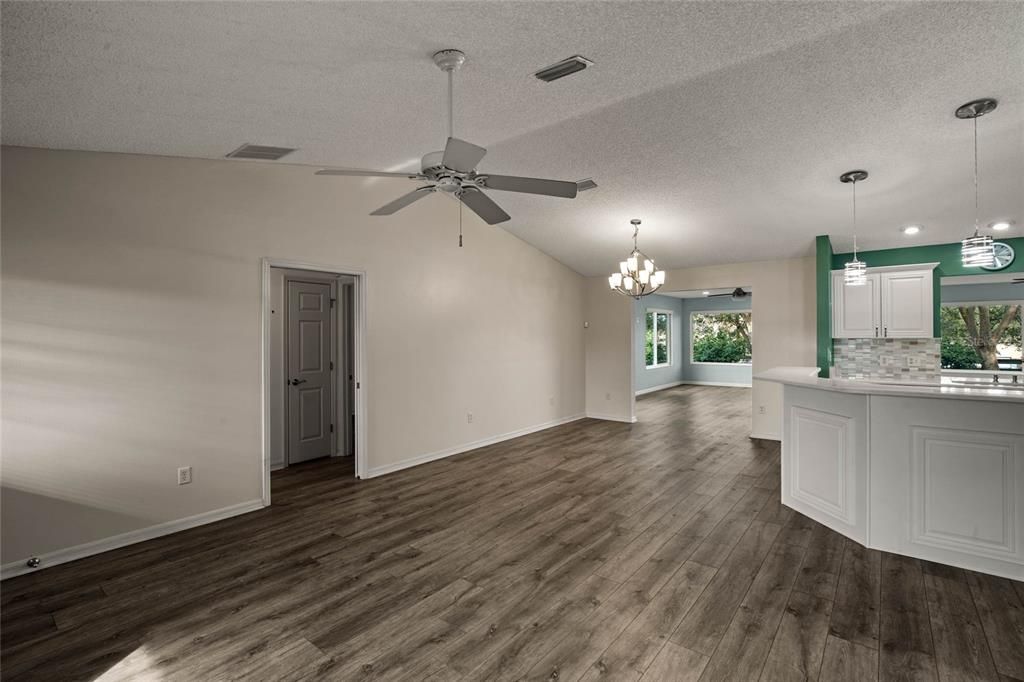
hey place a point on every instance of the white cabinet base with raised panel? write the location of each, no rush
(940, 479)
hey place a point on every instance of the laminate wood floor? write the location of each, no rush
(591, 551)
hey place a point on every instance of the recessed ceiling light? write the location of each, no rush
(706, 293)
(911, 229)
(1001, 225)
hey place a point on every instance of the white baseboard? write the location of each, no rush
(718, 383)
(61, 556)
(767, 436)
(610, 417)
(659, 387)
(448, 452)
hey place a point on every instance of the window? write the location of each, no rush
(658, 339)
(981, 336)
(721, 337)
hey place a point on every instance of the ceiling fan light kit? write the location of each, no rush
(977, 250)
(453, 170)
(637, 277)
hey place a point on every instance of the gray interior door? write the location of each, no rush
(309, 370)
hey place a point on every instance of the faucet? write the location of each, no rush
(995, 378)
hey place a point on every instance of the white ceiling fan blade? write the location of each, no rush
(483, 206)
(369, 174)
(513, 183)
(403, 201)
(462, 156)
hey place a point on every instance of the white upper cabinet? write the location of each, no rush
(856, 311)
(895, 302)
(907, 307)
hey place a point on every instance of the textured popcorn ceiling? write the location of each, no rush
(724, 126)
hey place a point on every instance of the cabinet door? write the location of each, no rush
(907, 306)
(855, 310)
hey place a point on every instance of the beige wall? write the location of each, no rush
(783, 308)
(131, 333)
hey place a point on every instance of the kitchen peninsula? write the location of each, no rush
(933, 471)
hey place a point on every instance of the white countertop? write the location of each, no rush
(808, 377)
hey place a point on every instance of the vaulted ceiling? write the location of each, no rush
(723, 125)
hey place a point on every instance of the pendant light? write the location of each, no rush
(978, 249)
(855, 271)
(636, 276)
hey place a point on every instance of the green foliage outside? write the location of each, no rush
(979, 337)
(656, 339)
(722, 337)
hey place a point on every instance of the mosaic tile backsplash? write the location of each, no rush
(887, 359)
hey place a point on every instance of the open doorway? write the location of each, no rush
(312, 368)
(702, 337)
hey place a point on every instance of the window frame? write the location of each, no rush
(668, 338)
(750, 311)
(981, 372)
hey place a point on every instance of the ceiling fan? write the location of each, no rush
(453, 171)
(737, 294)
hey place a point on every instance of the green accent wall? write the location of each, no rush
(946, 255)
(823, 285)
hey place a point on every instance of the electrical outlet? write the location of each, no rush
(469, 417)
(913, 361)
(184, 475)
(760, 409)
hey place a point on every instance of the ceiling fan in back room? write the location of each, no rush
(453, 170)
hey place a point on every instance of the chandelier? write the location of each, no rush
(636, 276)
(854, 271)
(977, 250)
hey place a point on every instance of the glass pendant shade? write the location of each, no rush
(855, 273)
(978, 251)
(637, 276)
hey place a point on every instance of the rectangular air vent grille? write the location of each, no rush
(260, 151)
(563, 68)
(584, 185)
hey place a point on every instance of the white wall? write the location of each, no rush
(131, 333)
(609, 348)
(783, 309)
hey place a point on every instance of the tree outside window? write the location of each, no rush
(722, 337)
(982, 337)
(657, 339)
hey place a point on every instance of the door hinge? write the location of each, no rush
(333, 301)
(332, 428)
(332, 365)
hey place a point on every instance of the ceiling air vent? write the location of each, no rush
(584, 185)
(563, 68)
(259, 151)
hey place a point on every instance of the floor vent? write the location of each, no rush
(259, 151)
(584, 185)
(563, 68)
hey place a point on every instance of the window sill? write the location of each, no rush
(664, 366)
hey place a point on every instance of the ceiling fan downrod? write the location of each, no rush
(450, 61)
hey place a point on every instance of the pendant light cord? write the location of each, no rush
(854, 183)
(460, 222)
(975, 175)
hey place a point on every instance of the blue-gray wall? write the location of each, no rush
(977, 293)
(649, 378)
(681, 368)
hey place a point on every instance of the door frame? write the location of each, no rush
(359, 358)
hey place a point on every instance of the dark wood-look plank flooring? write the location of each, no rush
(592, 551)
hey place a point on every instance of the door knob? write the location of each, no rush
(296, 382)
